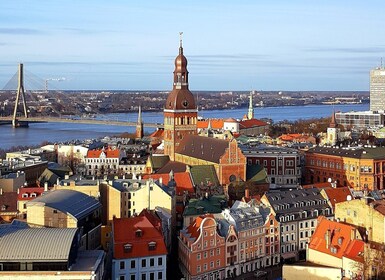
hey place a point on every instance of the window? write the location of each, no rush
(198, 268)
(143, 276)
(152, 262)
(133, 277)
(160, 261)
(122, 277)
(132, 264)
(151, 246)
(138, 233)
(143, 262)
(211, 264)
(198, 256)
(121, 265)
(127, 248)
(152, 276)
(160, 275)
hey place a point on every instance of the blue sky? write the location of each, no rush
(230, 45)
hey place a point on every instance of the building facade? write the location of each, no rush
(282, 165)
(297, 212)
(355, 167)
(139, 251)
(201, 250)
(377, 89)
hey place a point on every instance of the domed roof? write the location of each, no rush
(180, 62)
(180, 99)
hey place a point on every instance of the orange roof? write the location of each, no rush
(157, 133)
(337, 195)
(108, 152)
(340, 237)
(251, 123)
(214, 123)
(125, 233)
(25, 193)
(182, 179)
(194, 228)
(290, 137)
(355, 251)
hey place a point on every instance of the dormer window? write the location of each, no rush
(3, 207)
(24, 195)
(33, 195)
(127, 248)
(151, 246)
(340, 239)
(138, 233)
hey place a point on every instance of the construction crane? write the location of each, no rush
(53, 79)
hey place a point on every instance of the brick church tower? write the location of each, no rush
(180, 111)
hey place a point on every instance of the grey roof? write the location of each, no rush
(295, 202)
(223, 228)
(245, 216)
(35, 244)
(75, 203)
(352, 152)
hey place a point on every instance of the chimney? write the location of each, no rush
(57, 181)
(247, 193)
(46, 186)
(66, 177)
(327, 238)
(161, 180)
(353, 234)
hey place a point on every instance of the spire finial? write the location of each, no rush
(180, 42)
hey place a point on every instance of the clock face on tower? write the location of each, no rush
(185, 103)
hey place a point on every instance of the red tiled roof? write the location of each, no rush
(251, 123)
(340, 237)
(214, 123)
(194, 228)
(172, 165)
(355, 251)
(182, 179)
(27, 193)
(9, 201)
(157, 133)
(125, 229)
(290, 137)
(337, 195)
(108, 152)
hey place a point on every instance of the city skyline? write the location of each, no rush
(130, 46)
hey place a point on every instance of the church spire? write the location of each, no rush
(250, 113)
(333, 123)
(139, 124)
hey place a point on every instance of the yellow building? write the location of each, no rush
(355, 167)
(366, 216)
(68, 209)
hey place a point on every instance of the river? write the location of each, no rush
(37, 133)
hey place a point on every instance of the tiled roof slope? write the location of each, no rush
(340, 239)
(125, 232)
(205, 148)
(204, 174)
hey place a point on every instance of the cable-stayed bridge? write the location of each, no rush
(21, 117)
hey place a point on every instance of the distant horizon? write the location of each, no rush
(278, 45)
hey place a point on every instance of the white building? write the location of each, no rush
(139, 250)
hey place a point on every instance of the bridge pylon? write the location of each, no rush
(20, 91)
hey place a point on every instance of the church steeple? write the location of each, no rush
(180, 111)
(250, 113)
(139, 124)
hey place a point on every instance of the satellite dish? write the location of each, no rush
(330, 180)
(349, 197)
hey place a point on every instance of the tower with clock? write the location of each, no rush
(180, 111)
